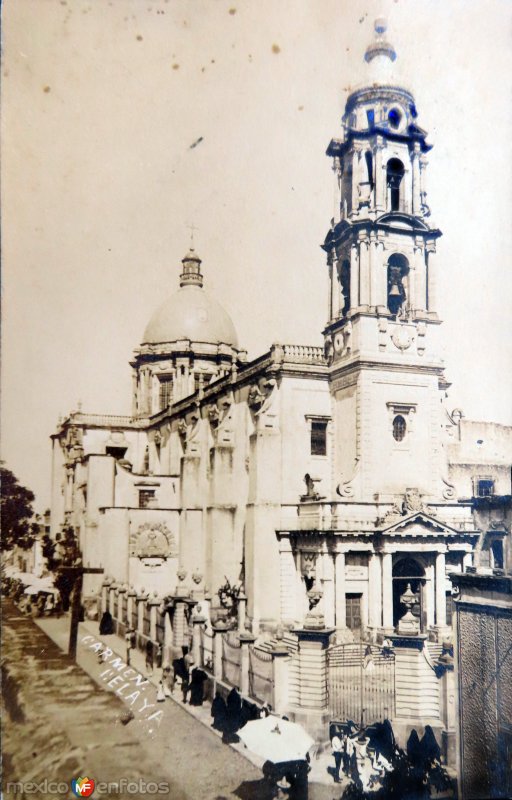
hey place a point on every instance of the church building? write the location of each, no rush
(331, 483)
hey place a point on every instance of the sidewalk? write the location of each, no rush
(57, 629)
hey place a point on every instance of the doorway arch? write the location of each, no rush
(407, 569)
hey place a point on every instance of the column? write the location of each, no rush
(330, 298)
(416, 189)
(440, 590)
(167, 638)
(364, 273)
(420, 289)
(341, 599)
(354, 277)
(380, 183)
(287, 574)
(312, 712)
(131, 603)
(141, 599)
(121, 610)
(241, 611)
(197, 623)
(217, 651)
(355, 181)
(373, 267)
(180, 623)
(105, 595)
(280, 660)
(431, 279)
(338, 294)
(300, 590)
(374, 592)
(246, 639)
(429, 595)
(381, 270)
(112, 599)
(423, 177)
(328, 588)
(154, 602)
(387, 591)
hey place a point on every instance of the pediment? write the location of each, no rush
(401, 220)
(419, 524)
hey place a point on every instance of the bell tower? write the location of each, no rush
(381, 337)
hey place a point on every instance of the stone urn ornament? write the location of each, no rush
(409, 624)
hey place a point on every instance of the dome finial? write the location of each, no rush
(192, 228)
(380, 47)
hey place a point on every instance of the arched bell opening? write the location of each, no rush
(394, 175)
(398, 280)
(408, 571)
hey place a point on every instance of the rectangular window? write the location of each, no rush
(353, 603)
(370, 114)
(146, 498)
(318, 438)
(356, 559)
(484, 487)
(165, 397)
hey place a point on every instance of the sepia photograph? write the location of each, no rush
(256, 464)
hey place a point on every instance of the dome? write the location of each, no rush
(191, 313)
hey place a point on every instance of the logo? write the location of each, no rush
(82, 787)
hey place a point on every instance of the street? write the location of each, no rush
(60, 724)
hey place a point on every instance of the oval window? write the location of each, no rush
(399, 428)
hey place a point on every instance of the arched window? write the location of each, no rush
(398, 269)
(394, 174)
(399, 428)
(369, 166)
(395, 117)
(344, 276)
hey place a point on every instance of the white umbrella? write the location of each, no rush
(32, 590)
(276, 739)
(26, 578)
(44, 582)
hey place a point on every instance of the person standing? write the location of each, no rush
(149, 656)
(188, 663)
(131, 641)
(337, 751)
(175, 655)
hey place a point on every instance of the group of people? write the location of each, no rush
(364, 756)
(177, 665)
(183, 672)
(40, 604)
(231, 714)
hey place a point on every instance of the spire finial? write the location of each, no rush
(192, 228)
(380, 47)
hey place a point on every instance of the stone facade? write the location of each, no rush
(328, 481)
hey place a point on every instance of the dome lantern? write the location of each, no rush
(191, 274)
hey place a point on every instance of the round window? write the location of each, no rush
(399, 428)
(395, 117)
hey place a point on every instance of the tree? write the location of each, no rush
(16, 510)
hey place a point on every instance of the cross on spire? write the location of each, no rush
(192, 228)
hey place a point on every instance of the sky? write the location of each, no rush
(102, 102)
